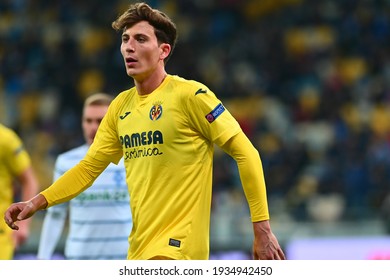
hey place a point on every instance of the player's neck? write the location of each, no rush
(148, 84)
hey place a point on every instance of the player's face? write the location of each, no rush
(92, 116)
(141, 51)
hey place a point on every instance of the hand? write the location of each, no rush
(265, 245)
(22, 210)
(17, 212)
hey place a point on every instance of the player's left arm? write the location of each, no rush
(251, 174)
(250, 168)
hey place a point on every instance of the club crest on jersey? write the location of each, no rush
(215, 113)
(156, 111)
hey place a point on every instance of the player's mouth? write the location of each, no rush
(130, 61)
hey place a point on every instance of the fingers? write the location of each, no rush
(264, 255)
(18, 212)
(26, 211)
(255, 256)
(281, 254)
(10, 216)
(273, 253)
(278, 254)
(11, 224)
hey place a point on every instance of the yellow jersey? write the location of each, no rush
(167, 141)
(14, 159)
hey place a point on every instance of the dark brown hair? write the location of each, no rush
(164, 28)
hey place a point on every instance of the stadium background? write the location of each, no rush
(309, 82)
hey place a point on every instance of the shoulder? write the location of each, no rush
(9, 140)
(188, 92)
(190, 87)
(7, 134)
(4, 129)
(120, 102)
(123, 96)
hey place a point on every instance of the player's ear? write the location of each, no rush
(165, 50)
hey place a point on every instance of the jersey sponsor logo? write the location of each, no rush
(139, 143)
(124, 115)
(141, 139)
(156, 111)
(141, 152)
(174, 242)
(105, 196)
(201, 90)
(214, 114)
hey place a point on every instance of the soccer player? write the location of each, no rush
(15, 170)
(165, 127)
(99, 218)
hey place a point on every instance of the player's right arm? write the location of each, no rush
(73, 182)
(105, 149)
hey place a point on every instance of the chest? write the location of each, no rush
(152, 121)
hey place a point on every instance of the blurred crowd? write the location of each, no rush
(309, 82)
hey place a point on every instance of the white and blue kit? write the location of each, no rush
(100, 218)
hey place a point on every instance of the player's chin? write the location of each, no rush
(131, 72)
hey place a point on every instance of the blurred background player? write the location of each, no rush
(100, 219)
(15, 170)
